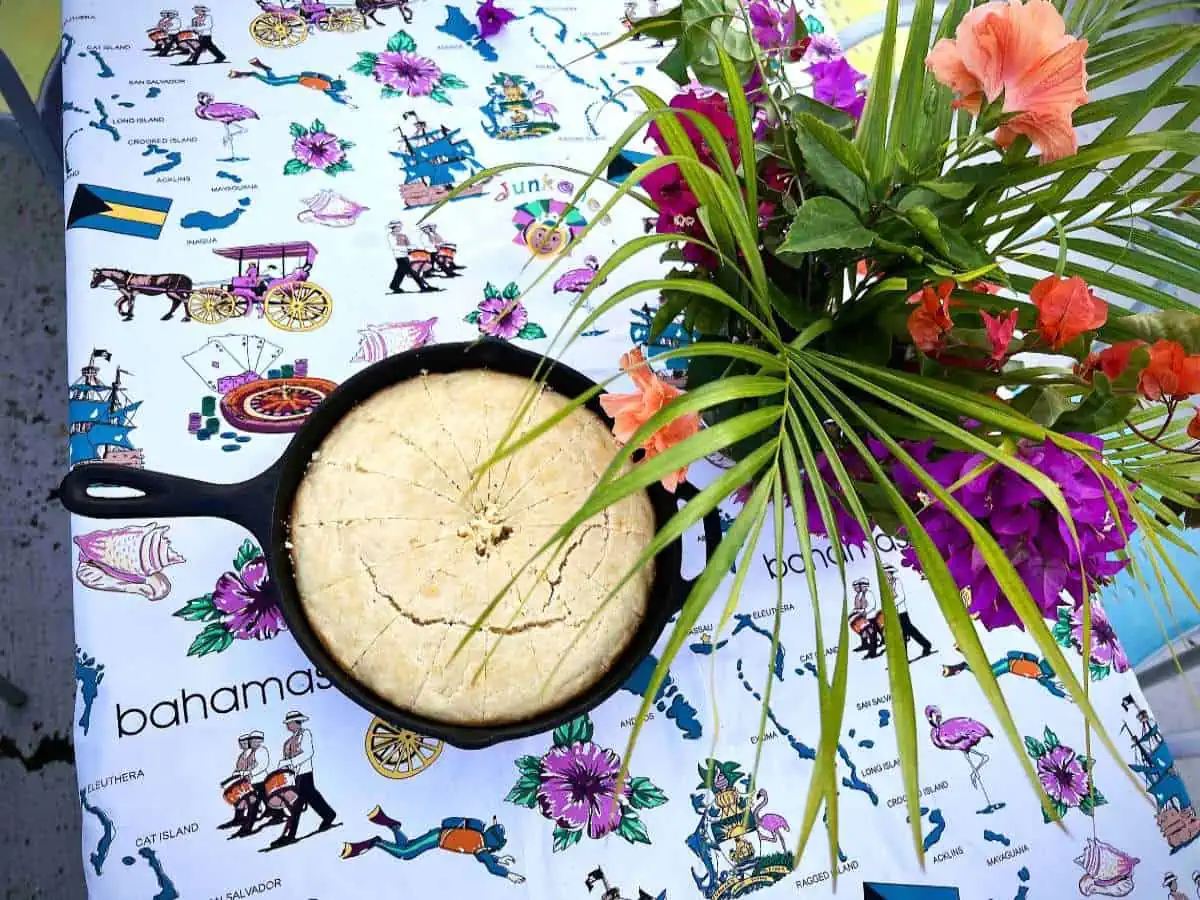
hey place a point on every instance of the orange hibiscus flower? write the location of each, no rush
(1193, 428)
(1112, 361)
(1066, 309)
(631, 411)
(1020, 51)
(930, 321)
(1171, 373)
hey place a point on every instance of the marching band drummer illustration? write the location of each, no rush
(202, 25)
(168, 26)
(865, 616)
(298, 755)
(253, 764)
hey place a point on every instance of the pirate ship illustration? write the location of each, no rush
(516, 109)
(432, 160)
(1176, 816)
(597, 877)
(101, 417)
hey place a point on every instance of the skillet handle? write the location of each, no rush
(248, 503)
(712, 537)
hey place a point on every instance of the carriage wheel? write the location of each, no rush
(299, 306)
(233, 307)
(343, 20)
(398, 753)
(207, 305)
(276, 30)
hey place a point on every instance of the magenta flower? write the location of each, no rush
(319, 150)
(1063, 776)
(1106, 649)
(770, 28)
(669, 191)
(249, 602)
(822, 48)
(578, 788)
(492, 18)
(415, 75)
(502, 318)
(836, 84)
(711, 106)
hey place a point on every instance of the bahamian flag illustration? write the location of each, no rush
(624, 163)
(117, 211)
(873, 890)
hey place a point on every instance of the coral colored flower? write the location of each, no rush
(999, 331)
(1066, 309)
(930, 321)
(985, 287)
(631, 411)
(415, 75)
(836, 83)
(1112, 361)
(1193, 428)
(1171, 372)
(492, 18)
(1021, 52)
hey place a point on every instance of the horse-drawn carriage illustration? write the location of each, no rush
(284, 295)
(286, 24)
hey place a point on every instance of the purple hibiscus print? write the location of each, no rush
(492, 18)
(402, 72)
(502, 315)
(574, 785)
(243, 606)
(1108, 655)
(1064, 774)
(316, 148)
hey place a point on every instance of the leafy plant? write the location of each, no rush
(899, 328)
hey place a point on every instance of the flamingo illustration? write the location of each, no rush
(543, 107)
(769, 824)
(962, 734)
(229, 115)
(576, 281)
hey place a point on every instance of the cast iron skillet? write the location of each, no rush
(263, 505)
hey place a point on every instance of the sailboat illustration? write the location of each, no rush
(431, 159)
(516, 109)
(101, 417)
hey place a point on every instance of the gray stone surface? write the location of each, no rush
(39, 831)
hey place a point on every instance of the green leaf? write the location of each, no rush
(215, 638)
(401, 42)
(824, 223)
(452, 81)
(297, 130)
(579, 730)
(1165, 325)
(1158, 268)
(439, 95)
(365, 65)
(531, 331)
(644, 795)
(524, 792)
(832, 161)
(927, 224)
(565, 837)
(1044, 404)
(295, 167)
(1051, 738)
(529, 765)
(871, 139)
(388, 92)
(798, 104)
(632, 828)
(317, 125)
(472, 317)
(511, 291)
(908, 134)
(198, 610)
(246, 552)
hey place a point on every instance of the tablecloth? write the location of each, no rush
(244, 189)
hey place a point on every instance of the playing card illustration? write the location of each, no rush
(229, 359)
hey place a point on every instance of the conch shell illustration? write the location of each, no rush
(1108, 871)
(329, 208)
(378, 341)
(127, 560)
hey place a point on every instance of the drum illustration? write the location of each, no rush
(281, 788)
(235, 788)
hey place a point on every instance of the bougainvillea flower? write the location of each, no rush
(929, 322)
(669, 191)
(1193, 428)
(1021, 52)
(1171, 372)
(771, 27)
(836, 83)
(631, 411)
(999, 331)
(713, 107)
(1066, 309)
(1112, 361)
(492, 18)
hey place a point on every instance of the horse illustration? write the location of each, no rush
(177, 287)
(368, 9)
